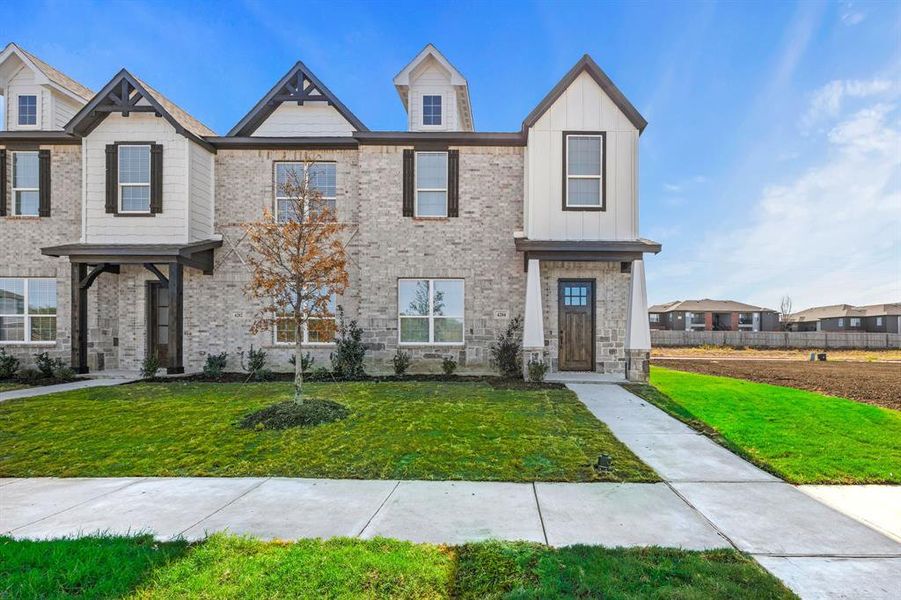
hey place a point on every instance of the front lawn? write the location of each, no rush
(8, 386)
(406, 430)
(801, 436)
(232, 567)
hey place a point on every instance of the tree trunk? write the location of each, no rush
(298, 362)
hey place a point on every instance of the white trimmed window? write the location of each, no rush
(322, 178)
(430, 311)
(26, 184)
(27, 311)
(431, 110)
(134, 178)
(431, 184)
(855, 322)
(584, 166)
(28, 109)
(841, 322)
(654, 317)
(316, 330)
(878, 321)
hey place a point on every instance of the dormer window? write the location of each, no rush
(28, 110)
(431, 110)
(134, 178)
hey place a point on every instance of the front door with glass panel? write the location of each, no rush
(158, 321)
(576, 321)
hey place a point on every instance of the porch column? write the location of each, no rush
(638, 330)
(533, 321)
(79, 318)
(176, 321)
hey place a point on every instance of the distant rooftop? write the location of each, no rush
(706, 305)
(834, 311)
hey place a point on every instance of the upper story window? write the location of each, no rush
(583, 168)
(134, 178)
(654, 317)
(431, 110)
(322, 177)
(431, 184)
(27, 311)
(26, 184)
(878, 321)
(841, 322)
(855, 322)
(430, 311)
(28, 110)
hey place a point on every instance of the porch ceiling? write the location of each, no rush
(198, 255)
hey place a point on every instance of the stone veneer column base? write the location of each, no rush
(638, 365)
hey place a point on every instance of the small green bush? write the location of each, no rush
(506, 352)
(290, 414)
(8, 365)
(347, 359)
(448, 365)
(63, 373)
(256, 364)
(29, 376)
(401, 362)
(215, 364)
(150, 366)
(47, 365)
(537, 370)
(306, 362)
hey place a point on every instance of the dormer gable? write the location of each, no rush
(37, 97)
(126, 94)
(434, 93)
(298, 105)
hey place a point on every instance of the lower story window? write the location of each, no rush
(654, 317)
(316, 330)
(430, 311)
(27, 311)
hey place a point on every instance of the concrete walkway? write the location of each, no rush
(816, 550)
(64, 387)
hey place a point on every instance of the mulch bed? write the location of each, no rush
(870, 382)
(495, 382)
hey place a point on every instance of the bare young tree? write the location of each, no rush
(299, 261)
(785, 310)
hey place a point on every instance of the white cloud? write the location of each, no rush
(831, 234)
(827, 102)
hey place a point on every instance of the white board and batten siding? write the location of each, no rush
(187, 177)
(584, 106)
(431, 79)
(311, 119)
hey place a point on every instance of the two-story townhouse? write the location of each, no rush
(454, 232)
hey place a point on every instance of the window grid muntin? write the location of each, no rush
(26, 320)
(431, 317)
(28, 108)
(33, 188)
(431, 109)
(283, 332)
(431, 190)
(132, 171)
(576, 177)
(329, 194)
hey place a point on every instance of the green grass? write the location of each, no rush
(233, 567)
(8, 386)
(407, 430)
(803, 437)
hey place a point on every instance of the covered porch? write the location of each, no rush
(164, 298)
(586, 307)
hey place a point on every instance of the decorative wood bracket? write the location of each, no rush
(299, 88)
(159, 275)
(88, 280)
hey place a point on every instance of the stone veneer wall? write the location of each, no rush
(611, 309)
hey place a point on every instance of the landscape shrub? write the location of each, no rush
(30, 376)
(448, 365)
(506, 352)
(8, 365)
(306, 362)
(256, 364)
(347, 359)
(63, 372)
(47, 365)
(215, 364)
(401, 362)
(150, 366)
(537, 370)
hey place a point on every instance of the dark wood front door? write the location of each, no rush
(576, 320)
(158, 321)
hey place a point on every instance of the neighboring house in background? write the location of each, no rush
(712, 315)
(873, 318)
(120, 221)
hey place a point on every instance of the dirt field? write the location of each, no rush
(763, 353)
(870, 382)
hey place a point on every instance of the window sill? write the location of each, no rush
(586, 208)
(290, 346)
(431, 218)
(23, 217)
(119, 214)
(26, 344)
(431, 344)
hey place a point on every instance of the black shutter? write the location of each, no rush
(2, 183)
(44, 183)
(453, 183)
(112, 179)
(409, 189)
(156, 178)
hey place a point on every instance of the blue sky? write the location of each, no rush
(771, 164)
